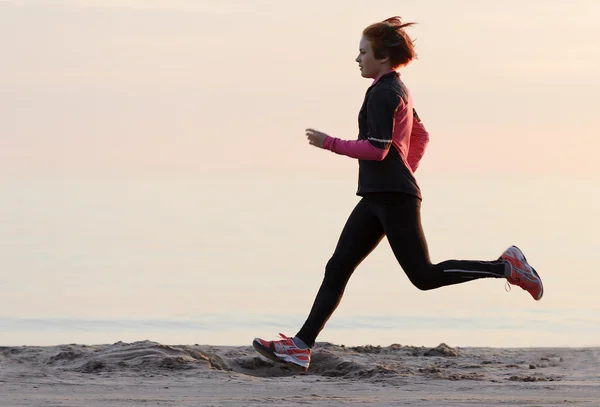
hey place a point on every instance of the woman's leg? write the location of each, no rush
(402, 225)
(361, 234)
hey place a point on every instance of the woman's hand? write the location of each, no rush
(315, 138)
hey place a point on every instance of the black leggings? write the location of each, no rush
(399, 219)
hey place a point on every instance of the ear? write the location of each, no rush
(384, 60)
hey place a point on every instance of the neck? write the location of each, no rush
(383, 72)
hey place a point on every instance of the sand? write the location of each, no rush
(151, 374)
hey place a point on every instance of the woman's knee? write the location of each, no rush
(422, 281)
(337, 268)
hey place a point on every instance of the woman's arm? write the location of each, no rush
(360, 149)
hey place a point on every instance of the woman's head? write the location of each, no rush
(384, 46)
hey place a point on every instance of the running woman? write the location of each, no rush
(390, 144)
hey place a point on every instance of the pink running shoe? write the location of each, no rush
(522, 274)
(284, 350)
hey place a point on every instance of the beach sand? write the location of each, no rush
(151, 374)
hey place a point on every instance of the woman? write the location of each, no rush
(390, 144)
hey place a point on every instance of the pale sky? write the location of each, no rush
(205, 90)
(185, 87)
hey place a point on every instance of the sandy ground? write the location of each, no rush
(150, 374)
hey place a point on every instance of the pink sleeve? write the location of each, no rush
(360, 149)
(419, 138)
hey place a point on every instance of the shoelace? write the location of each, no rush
(291, 340)
(284, 338)
(508, 287)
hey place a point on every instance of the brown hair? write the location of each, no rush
(389, 39)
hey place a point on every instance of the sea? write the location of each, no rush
(220, 259)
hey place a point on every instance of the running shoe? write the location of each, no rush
(283, 350)
(522, 274)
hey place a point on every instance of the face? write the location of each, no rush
(370, 67)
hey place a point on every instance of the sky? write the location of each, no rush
(176, 87)
(153, 161)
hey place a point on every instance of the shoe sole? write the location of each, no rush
(268, 353)
(522, 255)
